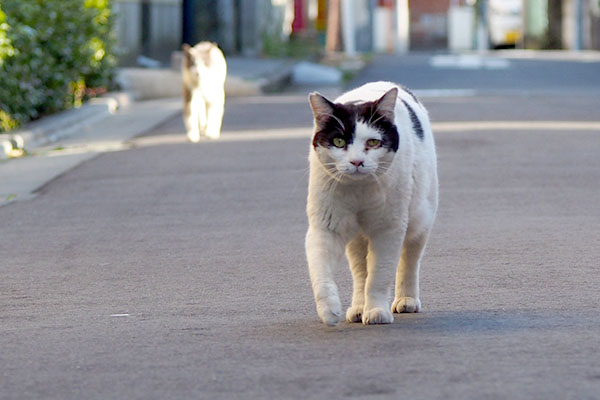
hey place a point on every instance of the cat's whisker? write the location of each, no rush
(339, 121)
(372, 115)
(370, 118)
(384, 167)
(335, 181)
(378, 181)
(299, 181)
(374, 122)
(332, 171)
(331, 164)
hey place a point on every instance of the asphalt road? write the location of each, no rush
(173, 270)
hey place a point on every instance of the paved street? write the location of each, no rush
(172, 270)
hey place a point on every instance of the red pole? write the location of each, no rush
(299, 24)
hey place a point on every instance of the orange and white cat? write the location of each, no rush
(204, 71)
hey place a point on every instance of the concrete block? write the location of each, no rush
(306, 73)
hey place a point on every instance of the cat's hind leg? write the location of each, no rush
(214, 113)
(197, 117)
(325, 251)
(356, 252)
(406, 299)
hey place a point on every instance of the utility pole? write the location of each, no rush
(578, 25)
(482, 26)
(348, 28)
(146, 30)
(187, 35)
(402, 26)
(332, 39)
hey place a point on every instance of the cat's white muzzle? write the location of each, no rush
(356, 172)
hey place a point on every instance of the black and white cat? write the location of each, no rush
(373, 192)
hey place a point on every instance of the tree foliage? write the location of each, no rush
(53, 54)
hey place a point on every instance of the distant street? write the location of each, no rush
(173, 270)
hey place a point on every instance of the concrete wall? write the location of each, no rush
(238, 26)
(428, 24)
(362, 20)
(128, 30)
(165, 28)
(147, 27)
(581, 24)
(261, 18)
(595, 25)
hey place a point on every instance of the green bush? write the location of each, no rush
(53, 55)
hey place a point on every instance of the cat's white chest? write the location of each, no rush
(358, 208)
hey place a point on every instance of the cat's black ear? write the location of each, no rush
(321, 107)
(386, 104)
(187, 55)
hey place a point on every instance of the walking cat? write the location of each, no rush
(373, 192)
(204, 71)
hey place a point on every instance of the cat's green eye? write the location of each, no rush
(339, 142)
(372, 143)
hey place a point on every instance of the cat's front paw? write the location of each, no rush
(354, 314)
(213, 135)
(193, 136)
(406, 305)
(377, 316)
(330, 311)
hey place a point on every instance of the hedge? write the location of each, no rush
(53, 55)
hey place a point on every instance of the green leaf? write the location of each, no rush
(51, 52)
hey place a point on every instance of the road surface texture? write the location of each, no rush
(173, 270)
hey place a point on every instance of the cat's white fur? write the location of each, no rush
(204, 71)
(380, 213)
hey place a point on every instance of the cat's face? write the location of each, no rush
(196, 59)
(355, 140)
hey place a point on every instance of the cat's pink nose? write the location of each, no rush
(357, 163)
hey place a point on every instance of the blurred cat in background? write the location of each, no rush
(204, 71)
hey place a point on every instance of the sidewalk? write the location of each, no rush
(150, 97)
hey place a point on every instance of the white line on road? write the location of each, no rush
(438, 127)
(516, 126)
(424, 93)
(297, 133)
(40, 170)
(468, 62)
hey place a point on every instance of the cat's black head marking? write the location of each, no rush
(339, 120)
(332, 120)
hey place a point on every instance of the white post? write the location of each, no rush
(482, 28)
(402, 26)
(460, 28)
(578, 18)
(348, 28)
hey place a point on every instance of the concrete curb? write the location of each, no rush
(278, 80)
(62, 125)
(6, 147)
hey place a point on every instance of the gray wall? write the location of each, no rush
(238, 26)
(163, 30)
